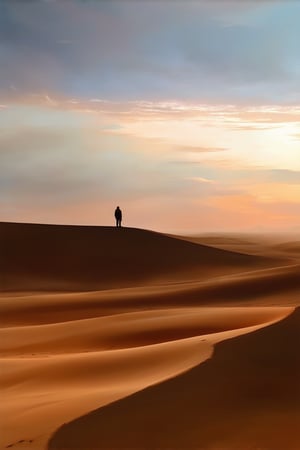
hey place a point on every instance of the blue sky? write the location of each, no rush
(187, 113)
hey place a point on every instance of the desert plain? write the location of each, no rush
(132, 339)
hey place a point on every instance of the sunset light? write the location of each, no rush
(163, 109)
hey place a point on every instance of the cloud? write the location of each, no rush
(201, 180)
(77, 175)
(282, 176)
(50, 166)
(211, 51)
(232, 116)
(248, 127)
(193, 149)
(268, 177)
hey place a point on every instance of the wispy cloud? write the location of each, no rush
(201, 180)
(234, 116)
(193, 149)
(252, 127)
(280, 176)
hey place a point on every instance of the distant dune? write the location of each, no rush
(289, 247)
(130, 339)
(216, 239)
(57, 257)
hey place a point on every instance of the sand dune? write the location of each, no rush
(289, 247)
(54, 373)
(246, 397)
(173, 344)
(270, 245)
(251, 287)
(128, 330)
(50, 257)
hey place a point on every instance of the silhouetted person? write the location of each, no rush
(118, 216)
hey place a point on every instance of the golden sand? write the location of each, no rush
(133, 339)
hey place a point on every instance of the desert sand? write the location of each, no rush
(132, 339)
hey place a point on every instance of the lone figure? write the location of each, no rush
(118, 216)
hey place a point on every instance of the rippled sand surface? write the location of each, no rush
(133, 339)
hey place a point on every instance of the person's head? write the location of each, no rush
(118, 207)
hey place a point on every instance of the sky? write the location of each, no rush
(186, 114)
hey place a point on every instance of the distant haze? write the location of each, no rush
(186, 114)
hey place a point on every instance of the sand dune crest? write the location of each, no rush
(51, 257)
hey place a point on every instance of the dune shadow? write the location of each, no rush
(246, 396)
(70, 258)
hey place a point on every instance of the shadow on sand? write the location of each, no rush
(246, 396)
